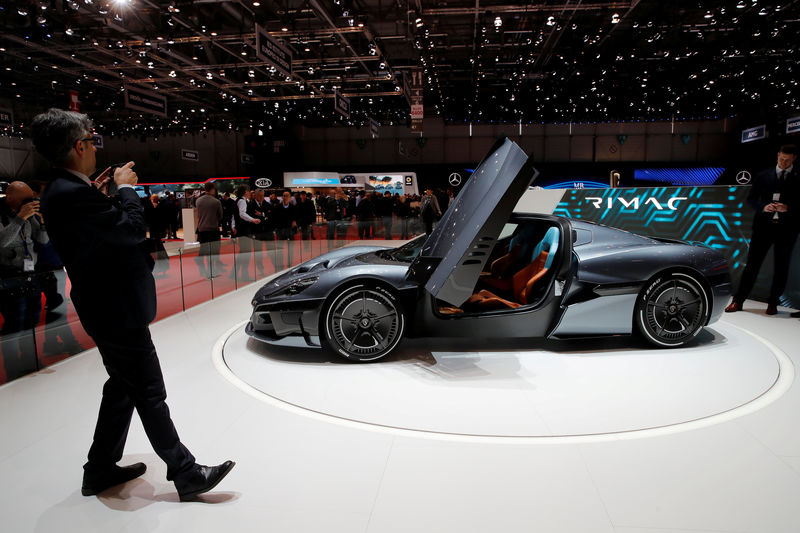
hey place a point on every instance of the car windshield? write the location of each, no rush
(407, 252)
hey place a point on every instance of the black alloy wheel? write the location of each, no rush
(672, 310)
(363, 323)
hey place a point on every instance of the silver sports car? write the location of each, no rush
(487, 271)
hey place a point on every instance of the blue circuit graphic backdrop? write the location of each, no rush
(718, 217)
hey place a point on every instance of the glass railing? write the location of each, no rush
(40, 326)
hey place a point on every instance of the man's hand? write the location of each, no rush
(779, 207)
(769, 208)
(125, 176)
(102, 181)
(256, 221)
(28, 210)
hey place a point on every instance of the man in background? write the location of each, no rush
(775, 197)
(209, 216)
(21, 227)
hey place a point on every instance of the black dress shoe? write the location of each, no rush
(201, 479)
(772, 309)
(796, 314)
(97, 482)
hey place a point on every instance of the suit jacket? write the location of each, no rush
(101, 242)
(764, 185)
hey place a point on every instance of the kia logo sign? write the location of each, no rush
(263, 183)
(743, 177)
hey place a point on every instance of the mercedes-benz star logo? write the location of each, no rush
(454, 179)
(743, 177)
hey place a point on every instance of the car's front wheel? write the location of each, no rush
(363, 323)
(671, 310)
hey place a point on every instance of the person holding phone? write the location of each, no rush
(21, 229)
(775, 197)
(100, 242)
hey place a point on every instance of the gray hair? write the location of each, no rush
(56, 131)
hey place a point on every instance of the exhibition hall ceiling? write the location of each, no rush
(472, 61)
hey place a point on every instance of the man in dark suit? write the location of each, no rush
(100, 243)
(283, 217)
(775, 197)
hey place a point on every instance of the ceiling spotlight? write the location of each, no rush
(708, 15)
(284, 28)
(22, 11)
(741, 5)
(382, 65)
(209, 76)
(615, 18)
(311, 70)
(762, 12)
(173, 74)
(244, 50)
(498, 22)
(551, 21)
(256, 4)
(69, 31)
(173, 8)
(418, 23)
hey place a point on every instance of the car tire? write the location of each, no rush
(363, 323)
(671, 309)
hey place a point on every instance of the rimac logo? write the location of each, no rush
(635, 203)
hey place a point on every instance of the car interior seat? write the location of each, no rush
(523, 282)
(519, 246)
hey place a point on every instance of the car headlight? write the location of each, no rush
(301, 284)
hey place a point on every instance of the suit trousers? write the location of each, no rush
(134, 381)
(768, 235)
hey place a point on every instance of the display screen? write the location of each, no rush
(680, 176)
(392, 183)
(316, 181)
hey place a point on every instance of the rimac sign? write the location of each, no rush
(273, 52)
(635, 202)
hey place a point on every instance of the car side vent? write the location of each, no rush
(472, 262)
(487, 238)
(474, 254)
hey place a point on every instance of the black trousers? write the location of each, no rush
(765, 236)
(134, 382)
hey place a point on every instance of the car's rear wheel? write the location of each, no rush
(363, 323)
(671, 310)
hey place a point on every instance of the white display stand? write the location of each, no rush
(189, 225)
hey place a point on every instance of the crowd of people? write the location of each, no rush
(271, 220)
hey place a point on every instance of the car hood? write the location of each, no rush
(336, 259)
